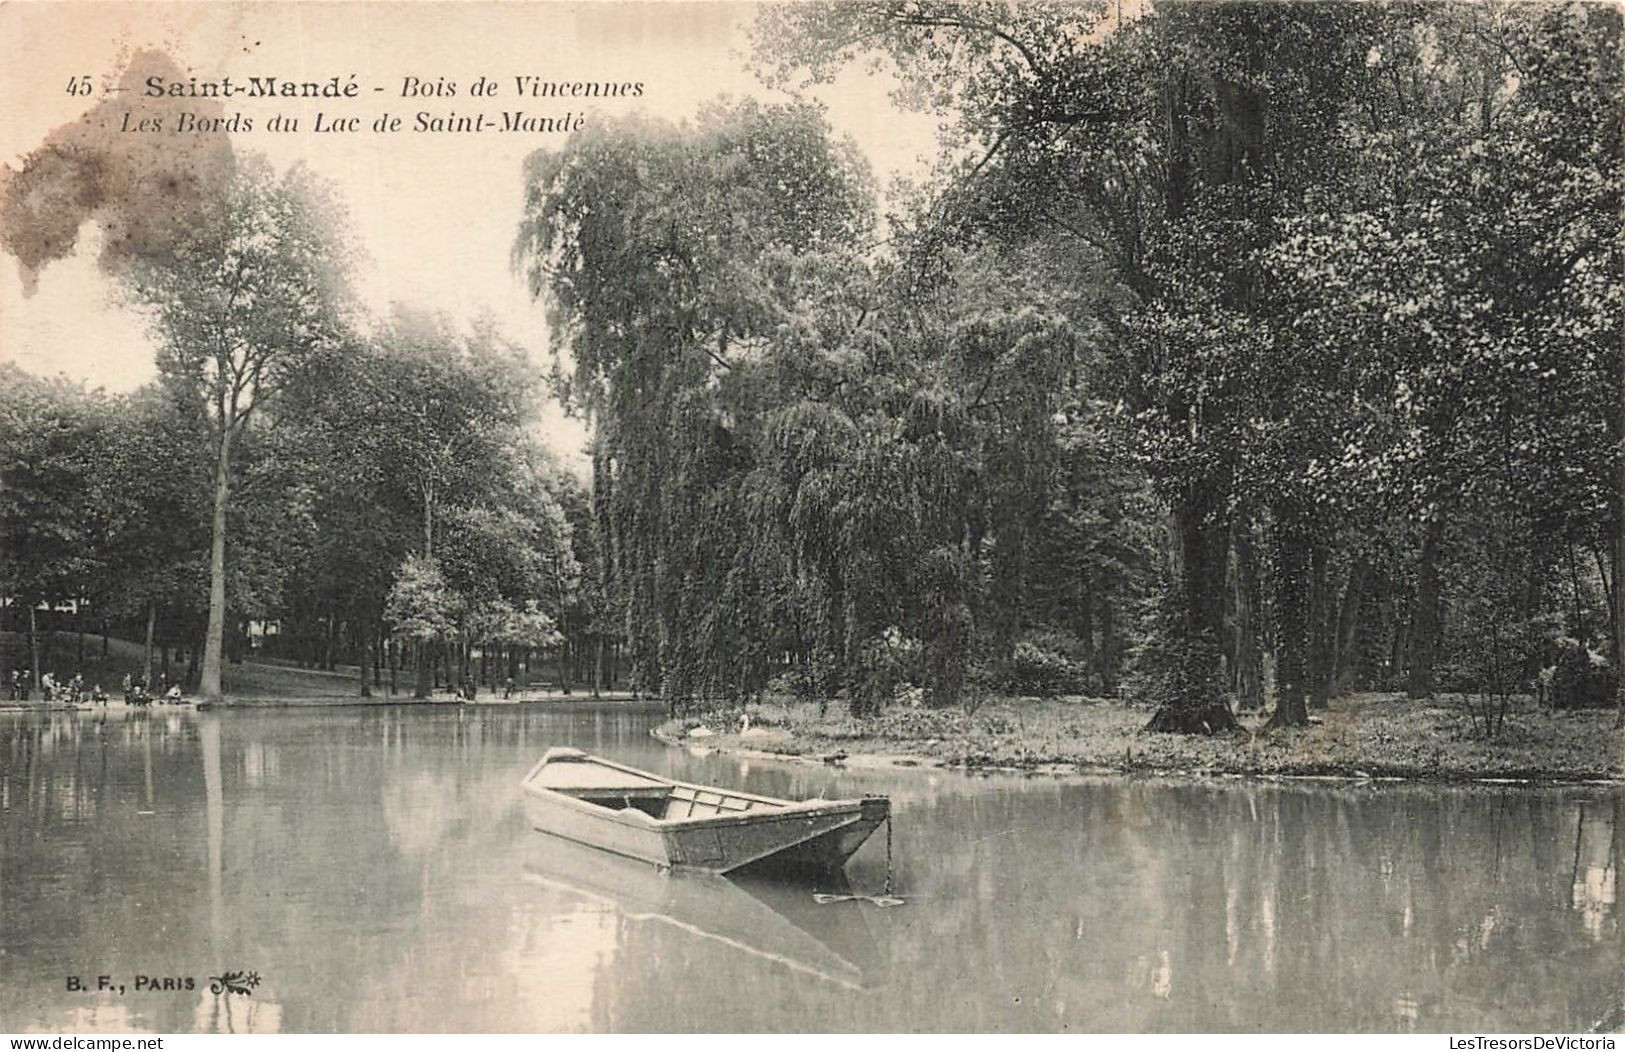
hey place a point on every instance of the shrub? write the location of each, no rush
(1578, 679)
(882, 666)
(1041, 672)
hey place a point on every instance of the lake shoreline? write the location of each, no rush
(329, 701)
(1366, 737)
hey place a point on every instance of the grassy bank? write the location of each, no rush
(1376, 735)
(247, 683)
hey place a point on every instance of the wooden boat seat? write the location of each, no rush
(686, 802)
(638, 796)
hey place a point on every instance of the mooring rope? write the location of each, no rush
(888, 854)
(884, 899)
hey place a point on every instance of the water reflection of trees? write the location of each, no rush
(377, 850)
(286, 841)
(1152, 907)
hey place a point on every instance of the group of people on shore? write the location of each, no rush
(136, 692)
(20, 685)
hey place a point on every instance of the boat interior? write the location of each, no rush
(618, 790)
(672, 802)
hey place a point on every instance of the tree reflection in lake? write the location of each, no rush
(374, 866)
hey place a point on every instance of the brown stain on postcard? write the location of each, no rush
(126, 164)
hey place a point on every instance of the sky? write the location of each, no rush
(433, 214)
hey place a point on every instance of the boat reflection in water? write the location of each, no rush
(743, 916)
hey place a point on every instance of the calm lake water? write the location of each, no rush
(375, 868)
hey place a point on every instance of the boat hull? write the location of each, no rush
(815, 835)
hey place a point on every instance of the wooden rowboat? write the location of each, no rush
(674, 824)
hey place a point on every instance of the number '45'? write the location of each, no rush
(80, 86)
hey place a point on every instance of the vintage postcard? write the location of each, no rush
(1002, 516)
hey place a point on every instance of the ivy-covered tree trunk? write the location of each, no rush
(1320, 622)
(1202, 545)
(1111, 649)
(1249, 655)
(1347, 633)
(1292, 625)
(1619, 570)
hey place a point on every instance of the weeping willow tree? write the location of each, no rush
(809, 458)
(649, 241)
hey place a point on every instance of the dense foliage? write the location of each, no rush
(1235, 356)
(378, 497)
(1276, 344)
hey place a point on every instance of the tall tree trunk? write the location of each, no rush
(420, 655)
(79, 622)
(1399, 657)
(1577, 624)
(1348, 625)
(1425, 621)
(564, 672)
(1110, 652)
(1083, 600)
(152, 628)
(1292, 628)
(191, 666)
(363, 656)
(1603, 557)
(1249, 655)
(33, 641)
(1619, 570)
(1320, 650)
(1201, 548)
(212, 642)
(427, 488)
